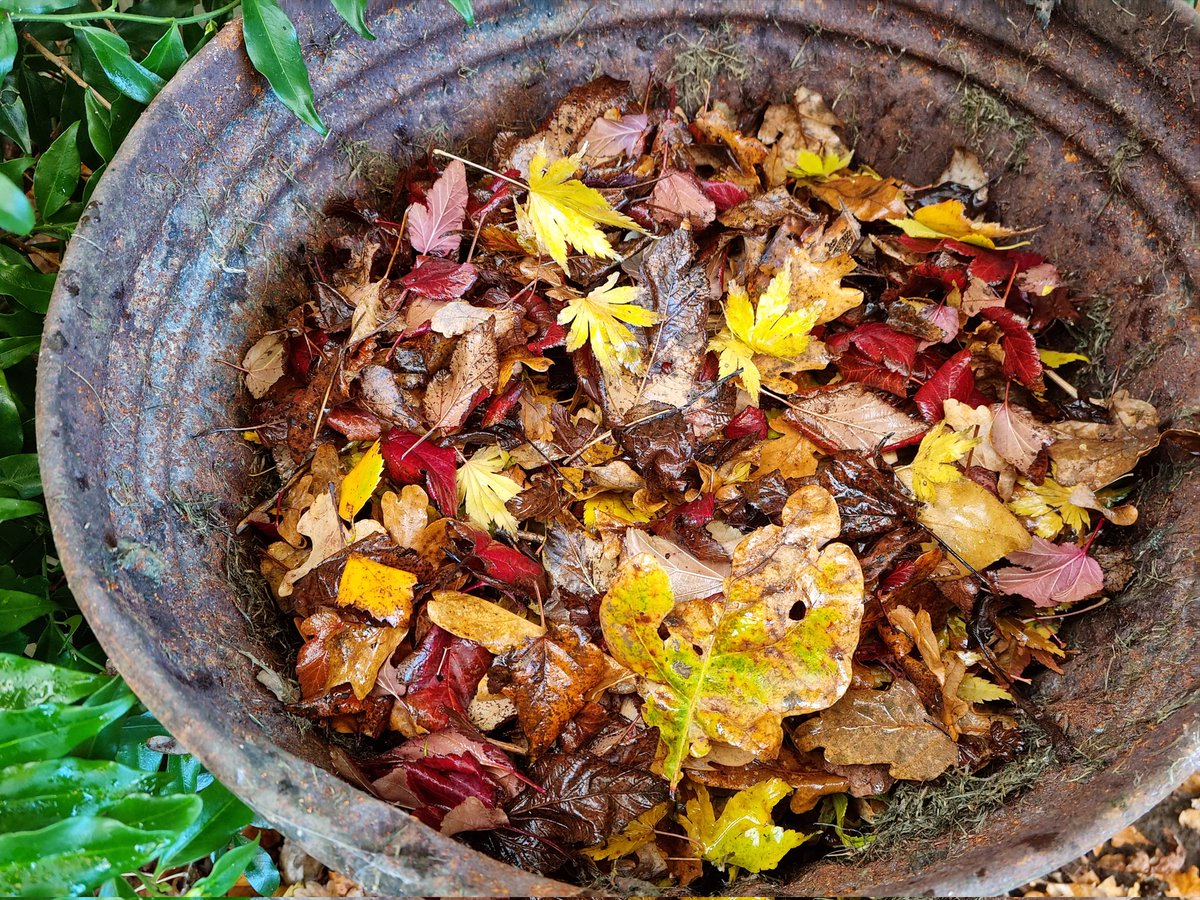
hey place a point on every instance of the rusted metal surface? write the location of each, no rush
(186, 252)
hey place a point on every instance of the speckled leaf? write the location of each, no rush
(732, 666)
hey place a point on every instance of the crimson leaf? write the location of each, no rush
(1021, 360)
(439, 279)
(409, 460)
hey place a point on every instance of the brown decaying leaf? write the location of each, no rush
(1094, 454)
(851, 417)
(881, 727)
(474, 372)
(548, 678)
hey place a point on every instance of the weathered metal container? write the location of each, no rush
(186, 252)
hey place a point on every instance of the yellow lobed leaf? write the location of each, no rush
(481, 621)
(485, 491)
(598, 319)
(972, 522)
(636, 834)
(1050, 508)
(977, 689)
(733, 666)
(562, 210)
(383, 591)
(360, 483)
(772, 327)
(948, 219)
(934, 462)
(812, 165)
(745, 834)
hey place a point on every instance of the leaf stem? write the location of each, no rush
(113, 14)
(64, 68)
(475, 165)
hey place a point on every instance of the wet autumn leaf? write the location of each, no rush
(733, 666)
(475, 619)
(473, 375)
(485, 489)
(1051, 574)
(850, 417)
(1017, 436)
(889, 727)
(972, 522)
(433, 226)
(678, 198)
(562, 210)
(616, 135)
(745, 835)
(637, 834)
(948, 219)
(548, 677)
(360, 483)
(934, 462)
(383, 591)
(599, 320)
(865, 197)
(341, 651)
(769, 327)
(409, 459)
(263, 363)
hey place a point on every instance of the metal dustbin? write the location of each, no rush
(187, 251)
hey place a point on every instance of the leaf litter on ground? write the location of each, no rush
(642, 489)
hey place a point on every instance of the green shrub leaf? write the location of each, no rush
(225, 872)
(71, 857)
(353, 12)
(36, 794)
(274, 48)
(57, 173)
(20, 476)
(223, 816)
(127, 75)
(27, 682)
(27, 286)
(465, 9)
(51, 730)
(16, 212)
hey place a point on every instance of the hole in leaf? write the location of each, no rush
(796, 613)
(663, 631)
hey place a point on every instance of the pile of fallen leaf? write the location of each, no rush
(666, 470)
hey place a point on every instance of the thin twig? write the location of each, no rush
(66, 70)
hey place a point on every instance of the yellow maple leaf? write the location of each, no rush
(934, 462)
(977, 689)
(745, 834)
(360, 483)
(383, 591)
(637, 834)
(948, 219)
(598, 319)
(563, 210)
(485, 490)
(769, 328)
(1050, 506)
(813, 165)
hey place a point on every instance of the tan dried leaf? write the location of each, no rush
(405, 515)
(263, 364)
(474, 368)
(881, 727)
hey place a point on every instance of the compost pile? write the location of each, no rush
(661, 495)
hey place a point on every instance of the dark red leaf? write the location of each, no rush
(500, 193)
(502, 404)
(725, 194)
(409, 460)
(751, 421)
(354, 423)
(954, 380)
(438, 679)
(504, 564)
(854, 366)
(694, 514)
(303, 350)
(545, 317)
(950, 276)
(440, 279)
(880, 343)
(1021, 360)
(898, 577)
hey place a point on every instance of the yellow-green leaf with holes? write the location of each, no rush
(776, 643)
